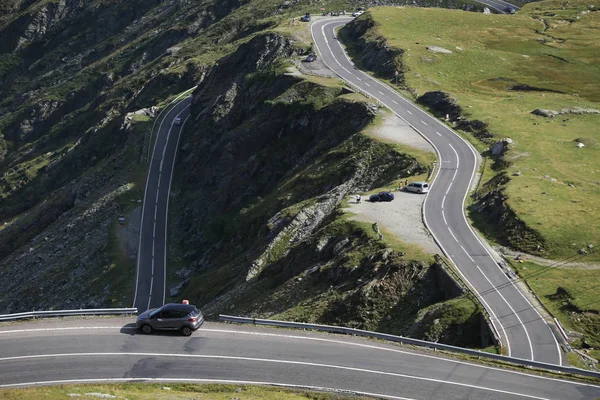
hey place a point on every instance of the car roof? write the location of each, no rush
(179, 306)
(421, 183)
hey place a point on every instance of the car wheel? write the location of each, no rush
(146, 329)
(419, 191)
(186, 331)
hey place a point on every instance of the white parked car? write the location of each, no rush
(358, 13)
(417, 187)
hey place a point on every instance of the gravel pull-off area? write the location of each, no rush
(403, 215)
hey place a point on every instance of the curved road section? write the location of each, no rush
(524, 332)
(110, 350)
(152, 254)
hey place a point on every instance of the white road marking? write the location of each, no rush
(454, 176)
(380, 92)
(511, 308)
(455, 152)
(439, 134)
(448, 190)
(367, 84)
(444, 216)
(272, 361)
(468, 255)
(443, 201)
(423, 122)
(155, 211)
(394, 101)
(408, 111)
(452, 233)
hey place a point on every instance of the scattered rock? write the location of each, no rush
(500, 147)
(437, 49)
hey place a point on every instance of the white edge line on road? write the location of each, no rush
(512, 309)
(137, 277)
(417, 352)
(168, 197)
(452, 233)
(490, 310)
(200, 380)
(187, 92)
(468, 255)
(273, 361)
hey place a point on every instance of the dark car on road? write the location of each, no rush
(185, 318)
(381, 196)
(311, 57)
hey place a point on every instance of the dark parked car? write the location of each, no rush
(510, 10)
(311, 57)
(173, 316)
(306, 18)
(381, 196)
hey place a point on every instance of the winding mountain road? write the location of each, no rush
(152, 252)
(100, 350)
(523, 331)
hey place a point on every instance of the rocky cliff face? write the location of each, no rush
(372, 51)
(70, 162)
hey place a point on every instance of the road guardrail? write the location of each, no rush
(65, 313)
(410, 341)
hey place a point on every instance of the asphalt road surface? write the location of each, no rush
(152, 255)
(102, 349)
(523, 331)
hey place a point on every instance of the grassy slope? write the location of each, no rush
(140, 391)
(571, 294)
(496, 46)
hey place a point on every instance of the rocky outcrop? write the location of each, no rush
(566, 110)
(372, 51)
(442, 104)
(489, 205)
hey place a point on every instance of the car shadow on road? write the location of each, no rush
(131, 330)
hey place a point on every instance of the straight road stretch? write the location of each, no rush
(152, 253)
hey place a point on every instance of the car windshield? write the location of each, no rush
(155, 312)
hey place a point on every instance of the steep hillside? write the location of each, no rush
(70, 160)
